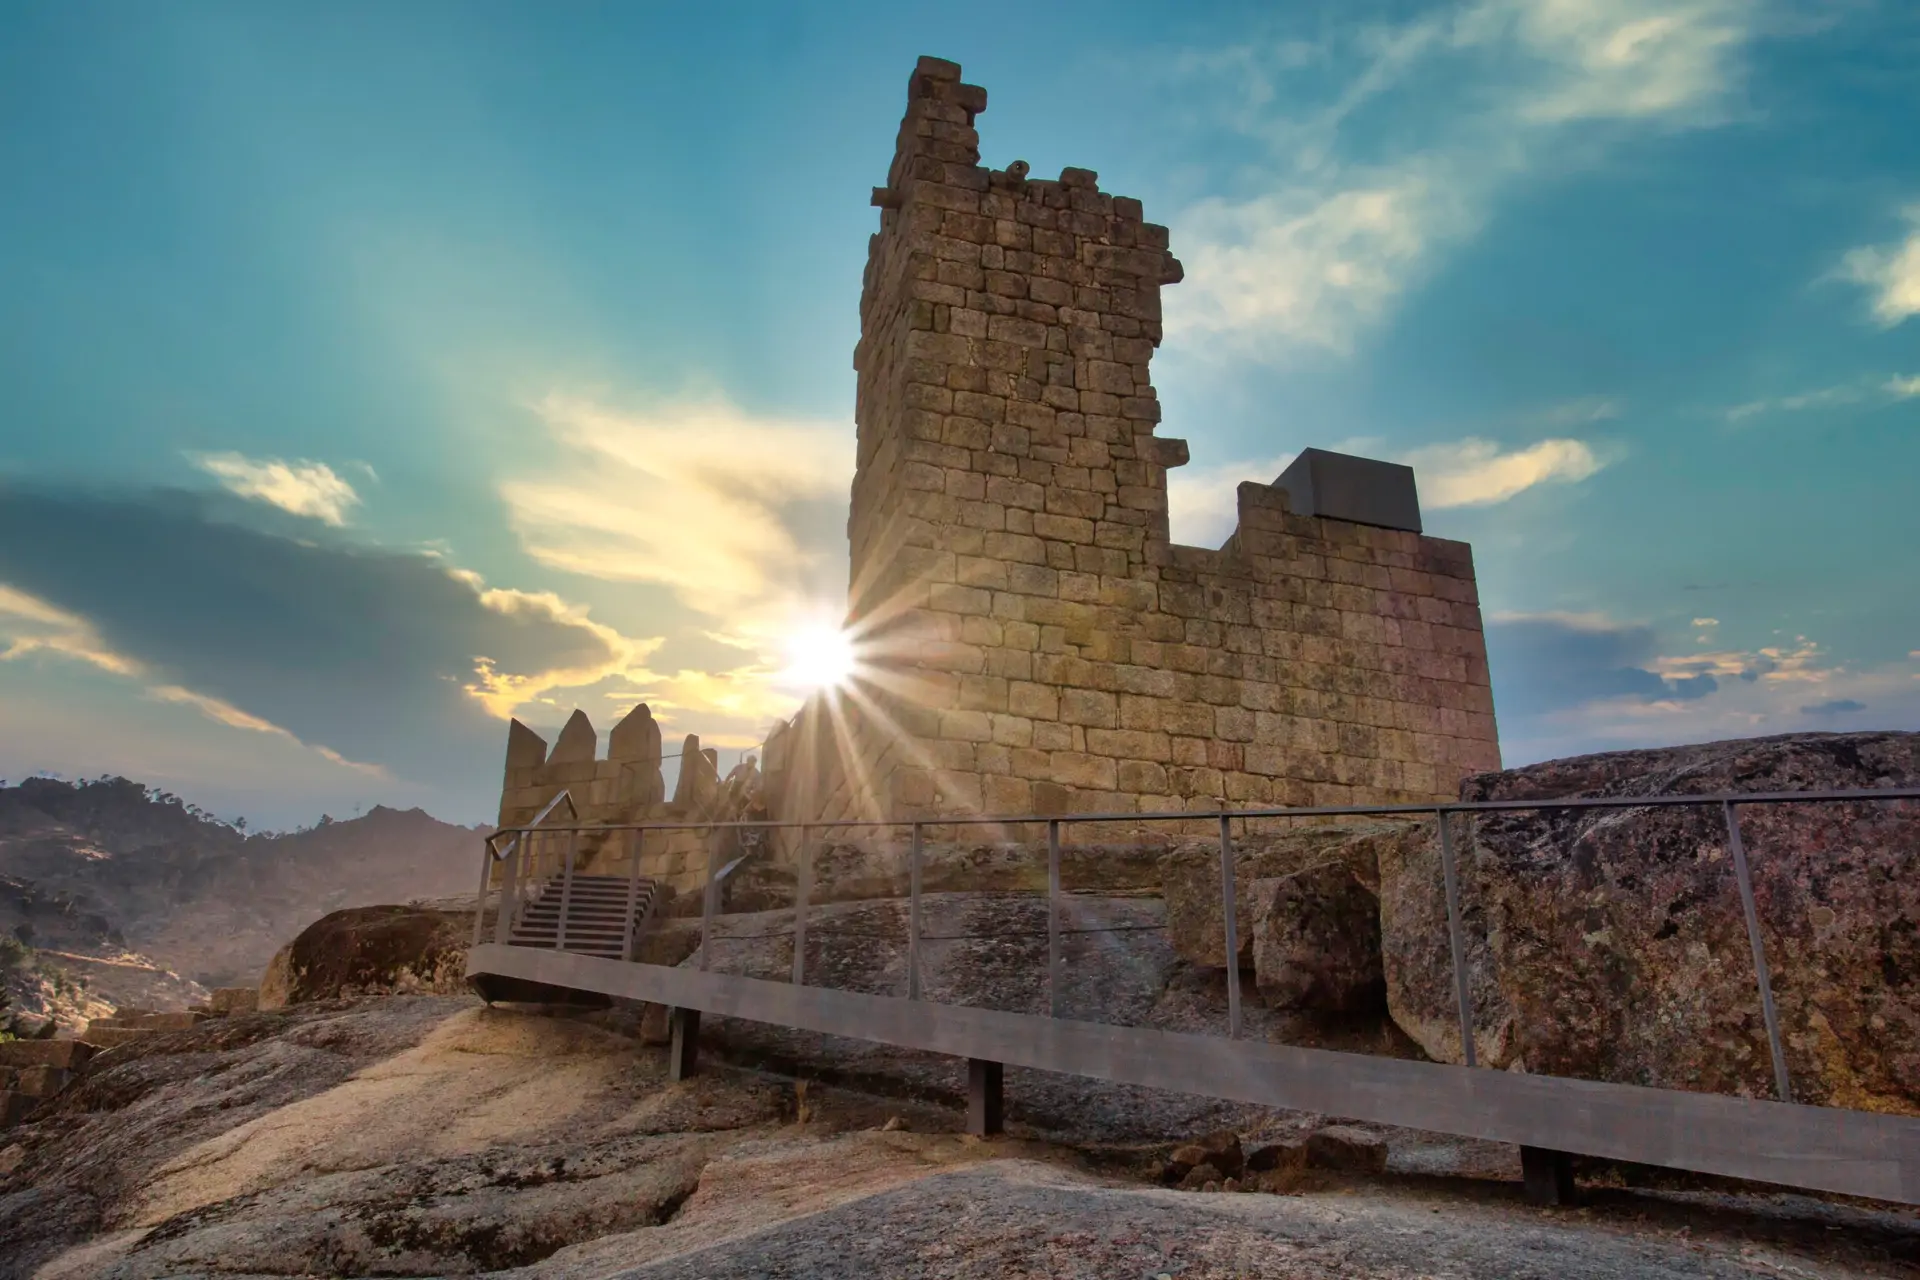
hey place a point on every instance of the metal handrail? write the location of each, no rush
(1214, 815)
(497, 854)
(538, 818)
(1441, 813)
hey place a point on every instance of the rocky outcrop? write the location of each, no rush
(1620, 944)
(370, 951)
(1327, 856)
(1416, 950)
(1316, 941)
(1609, 944)
(1308, 911)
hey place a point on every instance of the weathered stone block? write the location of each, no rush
(41, 1081)
(1089, 707)
(1077, 769)
(64, 1055)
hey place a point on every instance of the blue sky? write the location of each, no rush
(369, 373)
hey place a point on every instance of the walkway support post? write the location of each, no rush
(1781, 1083)
(1546, 1176)
(986, 1098)
(683, 1052)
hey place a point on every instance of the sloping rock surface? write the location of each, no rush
(429, 1136)
(1191, 880)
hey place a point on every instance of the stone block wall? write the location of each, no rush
(625, 787)
(1032, 641)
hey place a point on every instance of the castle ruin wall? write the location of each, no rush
(1032, 640)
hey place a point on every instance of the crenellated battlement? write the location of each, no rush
(626, 786)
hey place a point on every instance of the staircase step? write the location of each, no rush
(600, 912)
(573, 931)
(614, 925)
(577, 908)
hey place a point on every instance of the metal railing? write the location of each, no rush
(1830, 1148)
(1442, 814)
(510, 855)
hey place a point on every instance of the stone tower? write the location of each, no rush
(1032, 640)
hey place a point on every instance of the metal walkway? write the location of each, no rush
(1816, 1148)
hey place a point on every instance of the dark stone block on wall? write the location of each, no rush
(1340, 486)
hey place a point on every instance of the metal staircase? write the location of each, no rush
(586, 915)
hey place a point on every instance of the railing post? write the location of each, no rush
(629, 925)
(913, 916)
(707, 905)
(1781, 1083)
(802, 898)
(1456, 939)
(486, 882)
(566, 892)
(1054, 966)
(1230, 925)
(510, 890)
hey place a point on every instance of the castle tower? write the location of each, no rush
(1032, 641)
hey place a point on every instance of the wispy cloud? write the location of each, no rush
(742, 517)
(1870, 391)
(607, 655)
(29, 625)
(1329, 246)
(250, 627)
(234, 718)
(1478, 473)
(301, 488)
(1890, 273)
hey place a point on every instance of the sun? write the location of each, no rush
(820, 657)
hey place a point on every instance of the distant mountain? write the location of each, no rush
(146, 899)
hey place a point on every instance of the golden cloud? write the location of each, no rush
(689, 496)
(300, 488)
